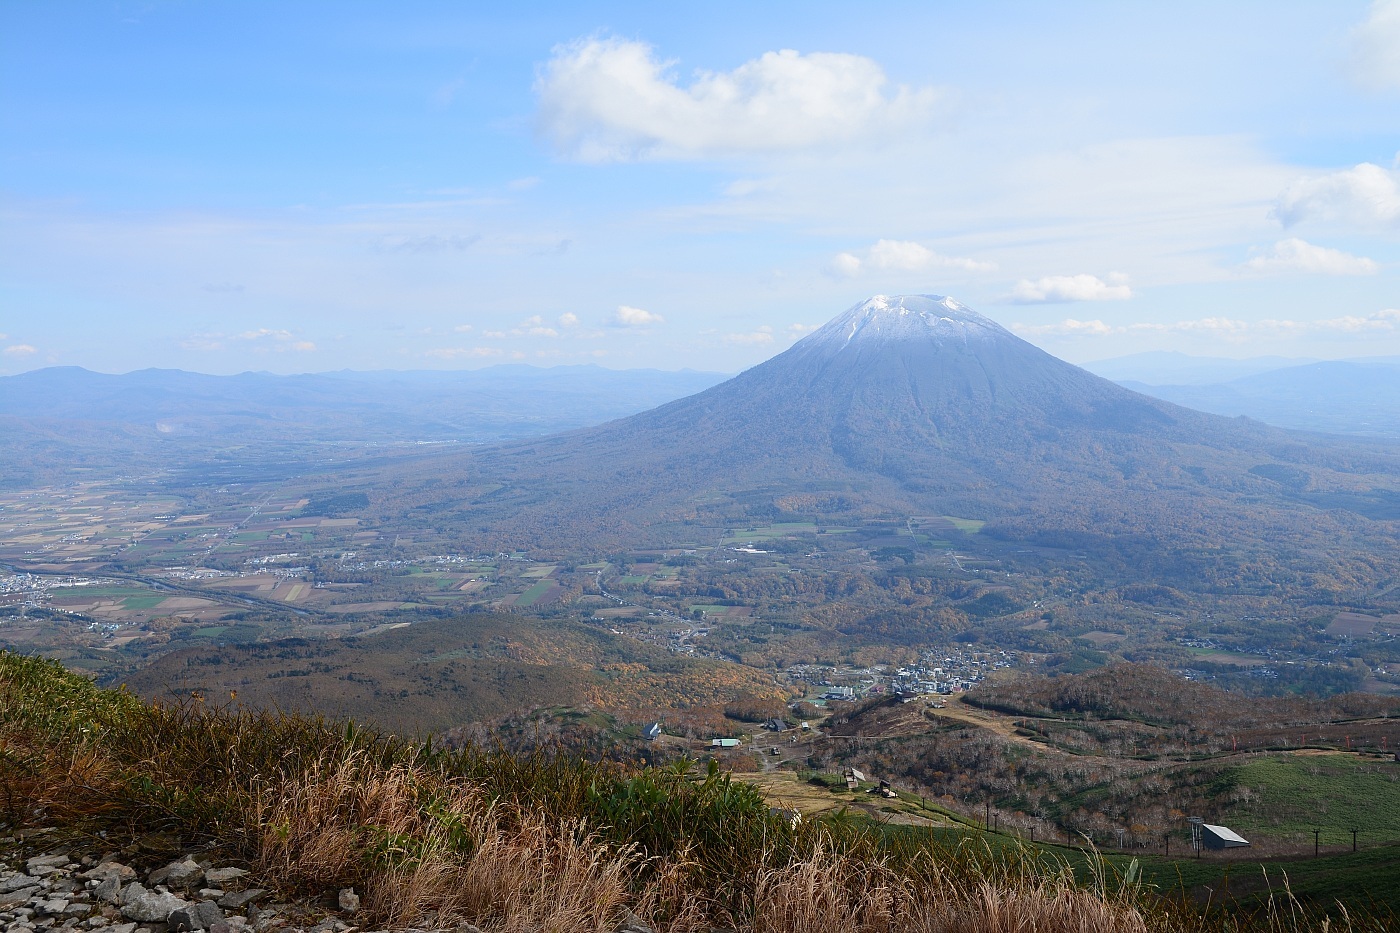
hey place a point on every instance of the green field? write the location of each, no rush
(1368, 878)
(1334, 793)
(100, 592)
(528, 597)
(968, 525)
(771, 532)
(142, 602)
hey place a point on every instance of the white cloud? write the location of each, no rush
(758, 337)
(607, 100)
(265, 334)
(627, 316)
(1069, 327)
(1063, 288)
(800, 330)
(1295, 255)
(463, 328)
(452, 353)
(568, 319)
(1376, 47)
(1387, 320)
(1365, 195)
(534, 326)
(431, 243)
(902, 256)
(21, 349)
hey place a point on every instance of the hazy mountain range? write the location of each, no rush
(1360, 396)
(469, 405)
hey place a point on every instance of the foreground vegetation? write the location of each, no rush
(554, 842)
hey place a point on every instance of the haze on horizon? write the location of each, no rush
(219, 188)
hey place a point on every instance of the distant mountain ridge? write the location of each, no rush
(471, 405)
(1339, 396)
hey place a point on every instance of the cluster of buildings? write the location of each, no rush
(951, 670)
(939, 670)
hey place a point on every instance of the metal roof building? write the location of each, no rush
(1221, 837)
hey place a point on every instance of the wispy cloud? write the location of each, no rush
(901, 256)
(456, 353)
(627, 316)
(1386, 321)
(429, 243)
(1069, 327)
(261, 340)
(1295, 255)
(534, 326)
(1375, 50)
(609, 100)
(21, 349)
(758, 337)
(1066, 288)
(1367, 195)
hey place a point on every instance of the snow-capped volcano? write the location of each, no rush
(909, 404)
(906, 317)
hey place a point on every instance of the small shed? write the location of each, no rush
(775, 725)
(1221, 837)
(724, 743)
(652, 732)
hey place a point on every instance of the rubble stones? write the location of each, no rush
(217, 876)
(237, 900)
(184, 873)
(201, 916)
(137, 903)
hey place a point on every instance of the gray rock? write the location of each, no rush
(55, 906)
(77, 909)
(40, 861)
(109, 891)
(43, 871)
(223, 875)
(237, 900)
(106, 870)
(123, 928)
(149, 906)
(201, 916)
(20, 896)
(93, 923)
(15, 882)
(349, 901)
(631, 923)
(184, 873)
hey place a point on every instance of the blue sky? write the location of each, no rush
(305, 187)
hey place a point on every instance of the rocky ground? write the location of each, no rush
(46, 885)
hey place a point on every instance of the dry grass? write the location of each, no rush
(543, 843)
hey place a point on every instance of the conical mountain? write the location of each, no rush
(901, 405)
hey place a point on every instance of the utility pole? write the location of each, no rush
(1353, 840)
(1317, 833)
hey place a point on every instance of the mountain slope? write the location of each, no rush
(914, 406)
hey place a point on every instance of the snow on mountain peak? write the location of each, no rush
(905, 317)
